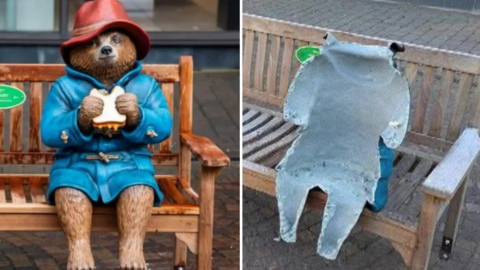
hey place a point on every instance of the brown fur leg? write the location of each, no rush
(134, 208)
(75, 212)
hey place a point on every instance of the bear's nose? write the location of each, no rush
(106, 50)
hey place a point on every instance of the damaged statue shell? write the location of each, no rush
(343, 99)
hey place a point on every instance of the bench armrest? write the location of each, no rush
(447, 177)
(205, 150)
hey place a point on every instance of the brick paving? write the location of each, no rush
(216, 116)
(445, 29)
(362, 250)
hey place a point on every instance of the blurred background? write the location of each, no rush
(32, 30)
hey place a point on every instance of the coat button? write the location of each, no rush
(64, 137)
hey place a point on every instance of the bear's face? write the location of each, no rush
(107, 57)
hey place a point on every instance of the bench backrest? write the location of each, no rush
(445, 96)
(35, 80)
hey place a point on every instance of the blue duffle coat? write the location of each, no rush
(73, 167)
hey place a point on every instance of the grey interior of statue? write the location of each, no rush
(344, 100)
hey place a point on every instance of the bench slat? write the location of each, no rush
(3, 198)
(247, 59)
(263, 130)
(16, 127)
(475, 115)
(262, 119)
(167, 88)
(2, 128)
(407, 185)
(440, 108)
(172, 191)
(286, 66)
(16, 190)
(251, 114)
(36, 190)
(51, 72)
(260, 61)
(35, 116)
(461, 99)
(273, 65)
(422, 99)
(275, 135)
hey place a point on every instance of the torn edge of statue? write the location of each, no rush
(344, 100)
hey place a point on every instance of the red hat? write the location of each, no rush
(94, 17)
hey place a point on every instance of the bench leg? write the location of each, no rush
(453, 218)
(205, 237)
(426, 231)
(180, 259)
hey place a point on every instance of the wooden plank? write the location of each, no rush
(16, 189)
(440, 107)
(205, 230)
(286, 66)
(167, 89)
(461, 100)
(259, 121)
(422, 99)
(36, 190)
(2, 130)
(204, 150)
(34, 142)
(263, 130)
(426, 231)
(16, 125)
(411, 72)
(408, 185)
(2, 191)
(51, 72)
(425, 140)
(171, 191)
(247, 57)
(282, 131)
(102, 223)
(272, 148)
(413, 53)
(260, 61)
(475, 115)
(454, 213)
(249, 116)
(444, 181)
(273, 65)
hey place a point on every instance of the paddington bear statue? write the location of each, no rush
(100, 164)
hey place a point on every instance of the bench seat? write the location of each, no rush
(22, 197)
(267, 137)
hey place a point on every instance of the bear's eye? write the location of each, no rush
(116, 39)
(92, 43)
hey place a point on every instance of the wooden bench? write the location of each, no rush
(431, 167)
(22, 196)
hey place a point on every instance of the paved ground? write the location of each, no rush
(452, 30)
(362, 250)
(216, 115)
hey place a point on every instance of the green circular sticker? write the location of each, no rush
(306, 52)
(11, 97)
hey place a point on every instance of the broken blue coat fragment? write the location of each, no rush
(344, 100)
